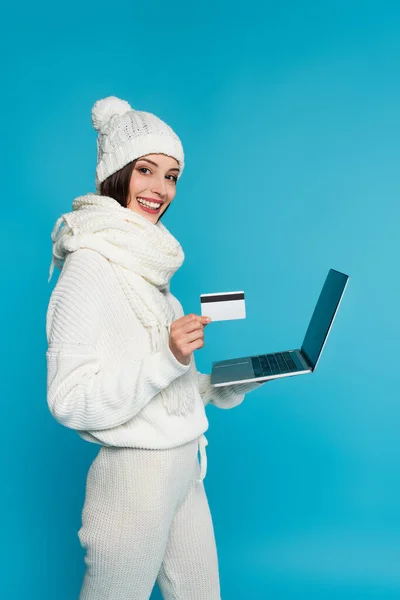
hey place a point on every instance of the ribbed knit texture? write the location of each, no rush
(103, 380)
(146, 518)
(144, 257)
(125, 134)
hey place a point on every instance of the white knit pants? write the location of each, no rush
(145, 519)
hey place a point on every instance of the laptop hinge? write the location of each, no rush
(304, 356)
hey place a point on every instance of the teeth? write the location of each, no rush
(149, 204)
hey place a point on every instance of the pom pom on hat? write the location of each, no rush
(104, 109)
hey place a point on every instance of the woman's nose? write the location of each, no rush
(160, 186)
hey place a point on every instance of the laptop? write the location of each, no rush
(288, 362)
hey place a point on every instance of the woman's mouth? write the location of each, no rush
(149, 207)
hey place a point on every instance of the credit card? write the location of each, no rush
(223, 306)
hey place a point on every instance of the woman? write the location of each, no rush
(121, 370)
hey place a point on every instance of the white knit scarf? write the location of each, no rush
(144, 256)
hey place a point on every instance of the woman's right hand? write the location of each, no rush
(187, 335)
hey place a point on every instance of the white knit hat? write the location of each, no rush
(125, 134)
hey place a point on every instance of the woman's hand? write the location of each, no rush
(187, 335)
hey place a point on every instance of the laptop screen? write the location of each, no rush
(323, 315)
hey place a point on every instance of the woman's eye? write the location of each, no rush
(174, 177)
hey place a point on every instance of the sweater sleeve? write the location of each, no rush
(82, 393)
(227, 396)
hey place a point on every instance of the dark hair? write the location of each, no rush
(117, 185)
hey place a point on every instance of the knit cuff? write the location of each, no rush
(225, 396)
(177, 367)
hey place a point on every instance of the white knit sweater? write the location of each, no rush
(96, 382)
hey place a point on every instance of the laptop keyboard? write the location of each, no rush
(273, 364)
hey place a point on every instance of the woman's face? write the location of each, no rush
(153, 180)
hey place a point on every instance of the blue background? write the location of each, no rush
(289, 117)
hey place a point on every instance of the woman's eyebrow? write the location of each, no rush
(156, 165)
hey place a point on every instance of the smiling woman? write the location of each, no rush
(152, 185)
(146, 185)
(121, 370)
